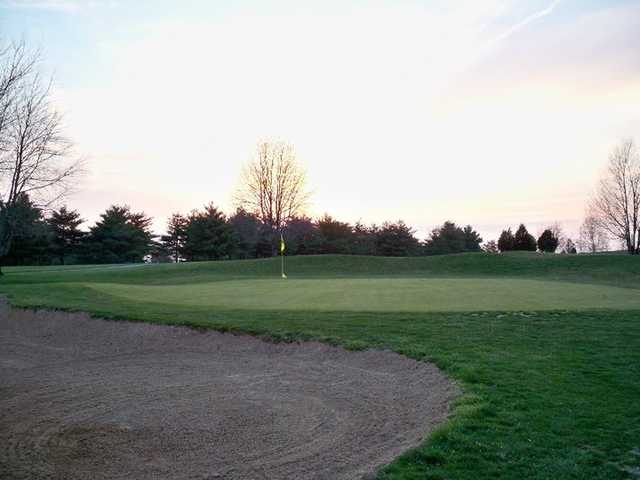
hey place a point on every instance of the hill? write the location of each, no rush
(619, 270)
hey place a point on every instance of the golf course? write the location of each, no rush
(545, 348)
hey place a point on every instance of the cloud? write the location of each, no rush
(523, 23)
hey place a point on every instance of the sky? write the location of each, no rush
(490, 112)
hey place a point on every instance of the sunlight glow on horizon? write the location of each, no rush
(492, 113)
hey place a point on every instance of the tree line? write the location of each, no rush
(122, 235)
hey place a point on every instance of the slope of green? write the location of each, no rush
(548, 394)
(620, 270)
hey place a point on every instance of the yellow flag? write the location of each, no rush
(282, 245)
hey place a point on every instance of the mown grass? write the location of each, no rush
(548, 395)
(383, 294)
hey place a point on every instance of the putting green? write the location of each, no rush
(383, 294)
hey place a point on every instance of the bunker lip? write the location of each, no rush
(89, 398)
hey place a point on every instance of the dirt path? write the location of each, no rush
(83, 398)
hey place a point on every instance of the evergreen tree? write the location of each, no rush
(268, 241)
(472, 239)
(246, 229)
(208, 235)
(364, 239)
(449, 238)
(173, 242)
(120, 236)
(66, 236)
(302, 236)
(31, 236)
(523, 240)
(335, 236)
(548, 242)
(507, 241)
(396, 240)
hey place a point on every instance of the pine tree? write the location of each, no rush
(208, 235)
(396, 240)
(66, 236)
(120, 236)
(472, 239)
(246, 229)
(548, 242)
(523, 240)
(31, 236)
(506, 242)
(173, 242)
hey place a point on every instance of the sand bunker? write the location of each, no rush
(83, 398)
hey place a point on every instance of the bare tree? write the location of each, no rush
(592, 236)
(273, 185)
(616, 204)
(33, 151)
(15, 65)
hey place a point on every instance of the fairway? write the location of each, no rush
(383, 294)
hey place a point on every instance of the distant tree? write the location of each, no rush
(548, 242)
(31, 235)
(66, 236)
(558, 232)
(507, 241)
(449, 238)
(472, 239)
(120, 236)
(208, 235)
(593, 238)
(616, 204)
(396, 240)
(491, 247)
(246, 228)
(174, 240)
(302, 236)
(335, 236)
(570, 247)
(273, 185)
(523, 240)
(268, 241)
(364, 239)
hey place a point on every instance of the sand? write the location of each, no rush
(84, 398)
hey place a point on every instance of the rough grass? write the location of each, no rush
(549, 394)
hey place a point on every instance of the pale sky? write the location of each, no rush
(488, 112)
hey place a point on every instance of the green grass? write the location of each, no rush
(546, 348)
(381, 294)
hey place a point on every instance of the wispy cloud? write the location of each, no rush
(523, 23)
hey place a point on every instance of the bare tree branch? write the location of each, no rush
(35, 156)
(616, 205)
(273, 185)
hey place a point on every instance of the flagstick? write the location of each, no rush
(282, 247)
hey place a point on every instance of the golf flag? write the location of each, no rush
(282, 248)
